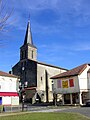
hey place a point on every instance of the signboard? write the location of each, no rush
(71, 83)
(59, 83)
(65, 84)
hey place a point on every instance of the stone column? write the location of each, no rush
(63, 99)
(71, 99)
(55, 99)
(80, 98)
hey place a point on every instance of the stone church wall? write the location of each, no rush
(41, 80)
(27, 70)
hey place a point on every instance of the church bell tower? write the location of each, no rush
(28, 59)
(28, 50)
(26, 68)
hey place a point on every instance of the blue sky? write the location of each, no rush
(60, 31)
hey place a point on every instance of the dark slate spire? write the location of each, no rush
(28, 36)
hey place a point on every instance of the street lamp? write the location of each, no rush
(54, 94)
(22, 90)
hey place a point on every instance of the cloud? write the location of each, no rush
(74, 13)
(60, 48)
(81, 47)
(69, 6)
(65, 17)
(56, 54)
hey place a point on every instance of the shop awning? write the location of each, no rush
(9, 94)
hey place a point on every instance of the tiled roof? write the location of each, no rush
(30, 88)
(42, 63)
(73, 72)
(45, 64)
(7, 74)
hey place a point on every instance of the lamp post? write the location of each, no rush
(22, 90)
(54, 94)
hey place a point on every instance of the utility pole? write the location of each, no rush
(46, 78)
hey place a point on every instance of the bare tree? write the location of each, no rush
(5, 14)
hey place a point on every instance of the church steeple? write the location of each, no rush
(28, 36)
(28, 50)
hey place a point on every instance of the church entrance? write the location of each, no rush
(38, 98)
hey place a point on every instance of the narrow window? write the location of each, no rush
(41, 78)
(32, 54)
(21, 55)
(25, 54)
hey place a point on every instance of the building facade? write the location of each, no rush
(36, 73)
(73, 85)
(8, 89)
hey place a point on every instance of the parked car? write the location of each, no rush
(87, 103)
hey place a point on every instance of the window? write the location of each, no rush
(32, 54)
(41, 78)
(25, 54)
(21, 55)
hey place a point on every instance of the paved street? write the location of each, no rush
(82, 110)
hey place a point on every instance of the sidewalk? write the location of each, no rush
(12, 113)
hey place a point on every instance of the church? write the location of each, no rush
(36, 74)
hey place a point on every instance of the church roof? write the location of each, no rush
(51, 65)
(73, 72)
(7, 74)
(28, 36)
(41, 63)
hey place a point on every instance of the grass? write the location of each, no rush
(45, 116)
(1, 108)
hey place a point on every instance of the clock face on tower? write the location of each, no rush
(23, 68)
